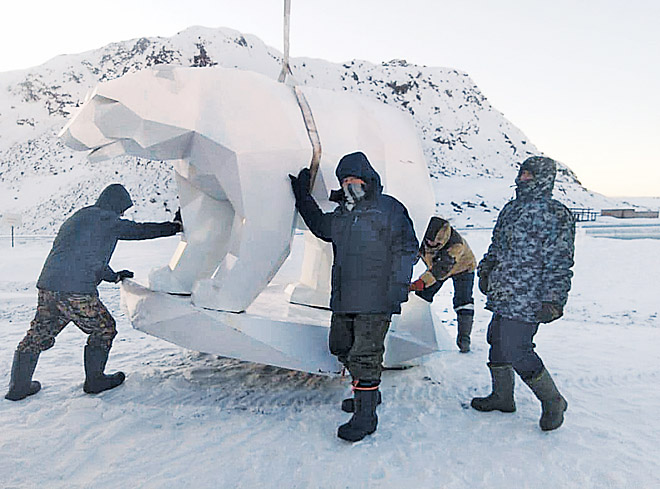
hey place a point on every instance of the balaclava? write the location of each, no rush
(544, 171)
(353, 193)
(357, 165)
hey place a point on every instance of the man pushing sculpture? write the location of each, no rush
(77, 263)
(374, 249)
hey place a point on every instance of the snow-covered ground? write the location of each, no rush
(186, 419)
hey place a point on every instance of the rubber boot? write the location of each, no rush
(501, 399)
(364, 420)
(348, 405)
(95, 380)
(21, 384)
(553, 403)
(465, 320)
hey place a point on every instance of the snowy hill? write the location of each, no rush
(472, 151)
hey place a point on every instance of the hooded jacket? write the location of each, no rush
(444, 252)
(374, 244)
(84, 244)
(531, 252)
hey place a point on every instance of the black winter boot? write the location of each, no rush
(348, 405)
(501, 399)
(21, 384)
(552, 402)
(95, 380)
(465, 320)
(364, 420)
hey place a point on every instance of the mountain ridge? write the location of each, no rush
(471, 149)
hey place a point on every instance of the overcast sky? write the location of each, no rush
(580, 77)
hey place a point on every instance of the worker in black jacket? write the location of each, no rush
(374, 249)
(76, 264)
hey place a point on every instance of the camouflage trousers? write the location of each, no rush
(57, 309)
(358, 341)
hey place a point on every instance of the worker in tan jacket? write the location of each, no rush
(447, 254)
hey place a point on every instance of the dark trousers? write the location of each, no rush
(510, 342)
(57, 309)
(358, 341)
(463, 286)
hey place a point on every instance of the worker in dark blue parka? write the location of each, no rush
(374, 248)
(77, 263)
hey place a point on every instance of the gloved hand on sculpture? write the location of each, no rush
(122, 274)
(300, 184)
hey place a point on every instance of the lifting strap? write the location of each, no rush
(305, 109)
(285, 60)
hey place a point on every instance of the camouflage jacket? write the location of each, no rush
(532, 247)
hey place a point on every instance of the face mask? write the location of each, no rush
(354, 192)
(520, 181)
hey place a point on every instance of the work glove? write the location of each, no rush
(427, 293)
(300, 184)
(483, 284)
(122, 274)
(178, 220)
(549, 312)
(337, 196)
(417, 285)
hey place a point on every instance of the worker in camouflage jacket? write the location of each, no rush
(526, 275)
(374, 248)
(447, 255)
(77, 263)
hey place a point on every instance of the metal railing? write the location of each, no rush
(583, 214)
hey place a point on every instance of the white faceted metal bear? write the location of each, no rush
(233, 137)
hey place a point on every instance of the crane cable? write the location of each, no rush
(310, 125)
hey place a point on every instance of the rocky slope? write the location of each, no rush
(472, 151)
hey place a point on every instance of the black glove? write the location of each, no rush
(483, 284)
(178, 220)
(549, 312)
(300, 184)
(337, 196)
(429, 292)
(122, 274)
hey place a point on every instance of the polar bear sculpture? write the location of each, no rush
(234, 136)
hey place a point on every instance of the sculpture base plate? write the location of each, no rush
(274, 331)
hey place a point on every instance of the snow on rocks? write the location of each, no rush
(471, 149)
